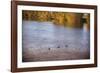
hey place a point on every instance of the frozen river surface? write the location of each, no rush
(44, 41)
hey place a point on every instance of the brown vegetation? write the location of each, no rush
(66, 19)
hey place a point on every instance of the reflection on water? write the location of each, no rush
(47, 35)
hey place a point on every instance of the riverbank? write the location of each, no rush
(31, 54)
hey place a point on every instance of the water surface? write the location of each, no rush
(40, 37)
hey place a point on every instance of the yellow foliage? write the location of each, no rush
(66, 19)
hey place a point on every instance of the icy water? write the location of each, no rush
(44, 41)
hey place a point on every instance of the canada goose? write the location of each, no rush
(66, 45)
(48, 48)
(58, 47)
